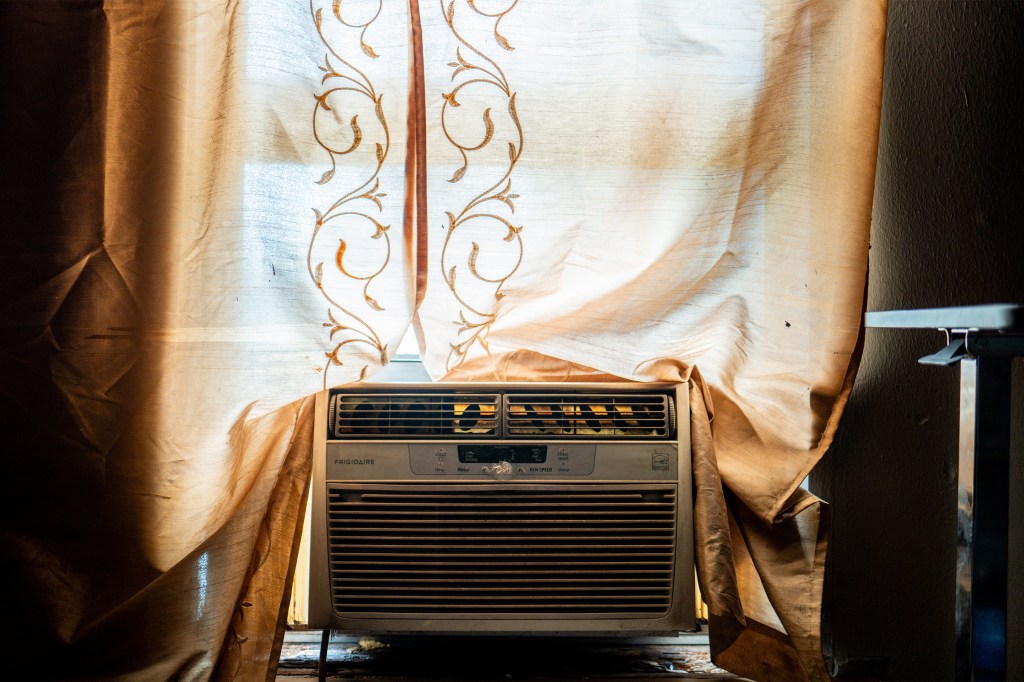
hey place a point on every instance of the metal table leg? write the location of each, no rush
(982, 517)
(984, 340)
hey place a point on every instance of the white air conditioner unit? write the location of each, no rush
(502, 509)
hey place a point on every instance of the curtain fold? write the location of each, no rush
(216, 208)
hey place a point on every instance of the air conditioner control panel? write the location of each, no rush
(490, 461)
(568, 459)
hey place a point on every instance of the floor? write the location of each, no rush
(419, 659)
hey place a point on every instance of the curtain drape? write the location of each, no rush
(214, 208)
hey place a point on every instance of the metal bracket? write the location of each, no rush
(954, 352)
(963, 344)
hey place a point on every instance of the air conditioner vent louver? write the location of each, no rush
(425, 415)
(626, 415)
(502, 551)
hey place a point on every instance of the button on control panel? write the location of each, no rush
(500, 469)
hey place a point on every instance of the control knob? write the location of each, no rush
(501, 469)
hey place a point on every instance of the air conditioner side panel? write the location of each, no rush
(684, 578)
(319, 582)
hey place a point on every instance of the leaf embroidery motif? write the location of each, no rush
(488, 128)
(357, 135)
(368, 51)
(512, 109)
(339, 256)
(501, 40)
(458, 174)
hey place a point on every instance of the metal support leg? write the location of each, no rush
(982, 517)
(321, 668)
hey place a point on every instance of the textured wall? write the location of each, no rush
(947, 230)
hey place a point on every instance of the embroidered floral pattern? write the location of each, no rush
(360, 207)
(495, 205)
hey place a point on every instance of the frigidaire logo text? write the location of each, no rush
(353, 461)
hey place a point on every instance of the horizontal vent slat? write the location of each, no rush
(497, 510)
(449, 498)
(498, 499)
(492, 597)
(506, 536)
(527, 557)
(533, 580)
(505, 586)
(520, 567)
(498, 566)
(498, 549)
(509, 533)
(453, 606)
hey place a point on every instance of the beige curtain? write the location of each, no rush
(215, 208)
(694, 191)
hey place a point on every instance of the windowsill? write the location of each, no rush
(435, 657)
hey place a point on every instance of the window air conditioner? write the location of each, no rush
(502, 509)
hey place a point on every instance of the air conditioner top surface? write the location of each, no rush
(499, 386)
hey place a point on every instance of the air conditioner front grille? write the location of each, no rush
(424, 415)
(625, 415)
(507, 551)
